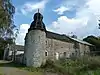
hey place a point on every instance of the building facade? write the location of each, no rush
(41, 45)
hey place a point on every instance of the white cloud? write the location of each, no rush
(70, 5)
(84, 23)
(33, 6)
(22, 32)
(94, 6)
(65, 25)
(61, 10)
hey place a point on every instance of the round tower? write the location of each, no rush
(35, 42)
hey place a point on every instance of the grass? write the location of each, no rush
(1, 74)
(80, 66)
(90, 72)
(36, 71)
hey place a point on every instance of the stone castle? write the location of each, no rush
(41, 45)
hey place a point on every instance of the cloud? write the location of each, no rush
(22, 32)
(61, 10)
(70, 5)
(84, 23)
(33, 6)
(65, 25)
(94, 6)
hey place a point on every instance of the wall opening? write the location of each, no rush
(46, 53)
(57, 55)
(64, 54)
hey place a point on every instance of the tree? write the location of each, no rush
(7, 26)
(95, 41)
(6, 18)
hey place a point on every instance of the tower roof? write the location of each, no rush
(37, 23)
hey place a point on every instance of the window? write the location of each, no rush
(64, 53)
(8, 49)
(46, 53)
(46, 42)
(72, 54)
(76, 52)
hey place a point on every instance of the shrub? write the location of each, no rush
(80, 66)
(49, 63)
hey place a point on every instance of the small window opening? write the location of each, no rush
(72, 54)
(8, 48)
(64, 53)
(46, 42)
(46, 53)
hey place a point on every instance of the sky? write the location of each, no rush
(78, 17)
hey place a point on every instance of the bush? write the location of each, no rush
(48, 64)
(79, 66)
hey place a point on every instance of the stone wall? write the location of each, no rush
(57, 49)
(19, 58)
(84, 49)
(34, 48)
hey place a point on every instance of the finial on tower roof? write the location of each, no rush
(38, 10)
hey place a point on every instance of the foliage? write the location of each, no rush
(81, 66)
(3, 44)
(7, 11)
(95, 41)
(7, 26)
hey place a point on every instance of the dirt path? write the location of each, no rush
(7, 70)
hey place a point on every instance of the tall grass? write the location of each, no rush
(80, 66)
